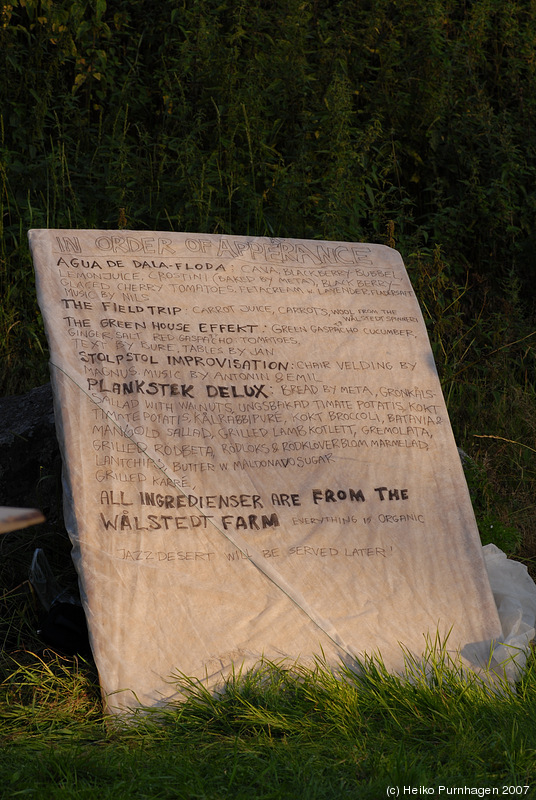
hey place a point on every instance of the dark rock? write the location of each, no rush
(30, 462)
(64, 628)
(30, 477)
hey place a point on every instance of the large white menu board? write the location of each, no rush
(258, 458)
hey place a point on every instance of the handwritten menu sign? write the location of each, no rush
(257, 454)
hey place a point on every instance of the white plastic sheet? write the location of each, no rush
(514, 593)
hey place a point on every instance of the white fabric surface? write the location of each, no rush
(258, 458)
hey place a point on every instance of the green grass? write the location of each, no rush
(279, 731)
